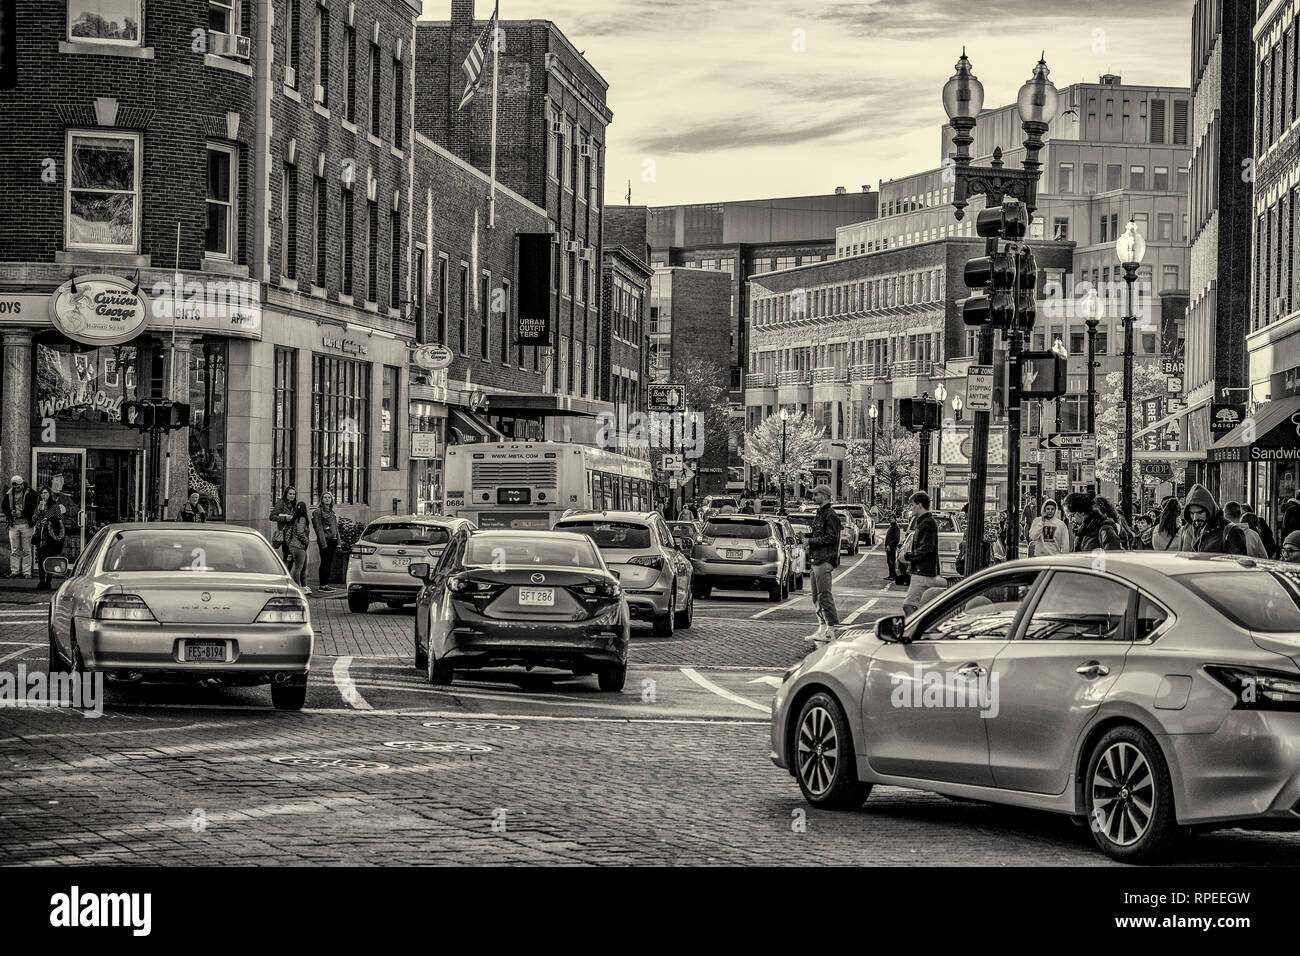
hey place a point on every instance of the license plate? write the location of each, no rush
(205, 650)
(537, 597)
(733, 553)
(399, 562)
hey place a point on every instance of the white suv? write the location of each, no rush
(377, 565)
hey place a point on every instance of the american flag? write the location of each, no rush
(473, 65)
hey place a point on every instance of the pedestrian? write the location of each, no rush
(747, 507)
(1254, 543)
(1048, 533)
(298, 536)
(1257, 524)
(824, 555)
(1212, 532)
(1091, 528)
(325, 523)
(1168, 532)
(688, 514)
(1290, 518)
(893, 538)
(193, 510)
(1106, 508)
(923, 557)
(19, 507)
(1291, 548)
(282, 513)
(47, 533)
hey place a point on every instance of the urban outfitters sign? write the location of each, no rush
(99, 309)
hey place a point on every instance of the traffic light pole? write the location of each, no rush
(979, 455)
(1013, 447)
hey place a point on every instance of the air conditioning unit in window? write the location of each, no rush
(586, 254)
(224, 44)
(572, 246)
(557, 128)
(585, 151)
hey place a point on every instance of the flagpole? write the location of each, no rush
(492, 194)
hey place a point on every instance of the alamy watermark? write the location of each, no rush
(82, 691)
(630, 428)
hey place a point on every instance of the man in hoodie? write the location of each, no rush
(1090, 528)
(1212, 532)
(1048, 533)
(893, 538)
(1254, 543)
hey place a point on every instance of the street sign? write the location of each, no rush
(1174, 385)
(1062, 481)
(1089, 470)
(674, 483)
(1077, 441)
(1172, 367)
(979, 388)
(938, 475)
(673, 462)
(665, 398)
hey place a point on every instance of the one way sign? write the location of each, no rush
(1077, 441)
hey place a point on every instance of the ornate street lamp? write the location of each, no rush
(785, 418)
(873, 413)
(1093, 308)
(1130, 249)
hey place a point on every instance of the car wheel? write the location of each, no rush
(774, 592)
(664, 623)
(824, 762)
(421, 656)
(1128, 796)
(289, 696)
(441, 673)
(613, 677)
(687, 614)
(57, 664)
(358, 602)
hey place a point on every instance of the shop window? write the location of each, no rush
(219, 234)
(76, 383)
(103, 195)
(387, 426)
(207, 444)
(283, 423)
(105, 21)
(340, 429)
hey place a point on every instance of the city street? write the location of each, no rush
(502, 767)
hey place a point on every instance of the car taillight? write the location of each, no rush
(608, 589)
(649, 561)
(123, 607)
(1258, 689)
(360, 549)
(457, 584)
(764, 543)
(283, 610)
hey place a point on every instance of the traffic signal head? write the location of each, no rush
(1042, 374)
(996, 309)
(996, 276)
(178, 416)
(138, 415)
(1026, 287)
(1008, 221)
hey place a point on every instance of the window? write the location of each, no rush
(1165, 226)
(223, 17)
(350, 74)
(464, 308)
(1102, 342)
(1180, 122)
(1256, 600)
(284, 418)
(1170, 280)
(291, 44)
(395, 261)
(1089, 178)
(387, 424)
(1065, 177)
(103, 196)
(105, 21)
(1160, 178)
(1114, 176)
(1076, 343)
(374, 89)
(1105, 234)
(566, 147)
(1079, 607)
(289, 229)
(1184, 176)
(320, 241)
(219, 232)
(441, 301)
(421, 283)
(1157, 121)
(1150, 617)
(347, 253)
(987, 613)
(1149, 343)
(322, 54)
(484, 314)
(555, 146)
(398, 84)
(1137, 177)
(1061, 229)
(506, 324)
(340, 429)
(372, 253)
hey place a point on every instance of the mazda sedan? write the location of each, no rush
(169, 602)
(521, 598)
(1145, 696)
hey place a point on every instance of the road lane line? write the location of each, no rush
(866, 607)
(849, 570)
(723, 692)
(347, 688)
(777, 607)
(11, 656)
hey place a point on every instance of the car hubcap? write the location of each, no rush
(818, 751)
(1123, 794)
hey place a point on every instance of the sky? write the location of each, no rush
(718, 100)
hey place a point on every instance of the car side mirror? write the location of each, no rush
(422, 570)
(56, 567)
(892, 630)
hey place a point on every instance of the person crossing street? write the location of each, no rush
(824, 556)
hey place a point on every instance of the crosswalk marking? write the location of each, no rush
(866, 607)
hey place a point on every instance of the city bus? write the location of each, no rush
(530, 485)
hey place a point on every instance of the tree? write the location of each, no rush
(803, 438)
(1148, 382)
(898, 458)
(707, 399)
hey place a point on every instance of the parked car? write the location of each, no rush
(742, 552)
(797, 545)
(167, 602)
(1158, 694)
(950, 542)
(387, 547)
(866, 524)
(521, 598)
(849, 531)
(640, 551)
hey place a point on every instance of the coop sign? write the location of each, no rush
(99, 309)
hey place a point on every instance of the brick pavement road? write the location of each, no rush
(383, 768)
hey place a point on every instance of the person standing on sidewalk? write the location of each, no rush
(824, 556)
(19, 507)
(893, 538)
(282, 515)
(326, 525)
(47, 533)
(923, 558)
(193, 509)
(1048, 533)
(297, 537)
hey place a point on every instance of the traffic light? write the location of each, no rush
(996, 275)
(920, 414)
(1026, 287)
(1041, 374)
(175, 415)
(138, 415)
(1007, 221)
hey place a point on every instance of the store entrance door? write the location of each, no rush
(95, 486)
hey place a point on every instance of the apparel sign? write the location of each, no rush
(533, 294)
(99, 309)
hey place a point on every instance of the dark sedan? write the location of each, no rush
(522, 599)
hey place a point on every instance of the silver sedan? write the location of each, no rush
(167, 601)
(1142, 693)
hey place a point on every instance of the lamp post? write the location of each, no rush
(785, 419)
(940, 393)
(1036, 103)
(873, 413)
(1130, 249)
(1093, 308)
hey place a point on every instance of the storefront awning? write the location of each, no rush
(543, 406)
(1275, 435)
(469, 428)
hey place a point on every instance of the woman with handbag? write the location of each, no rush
(282, 515)
(47, 534)
(297, 536)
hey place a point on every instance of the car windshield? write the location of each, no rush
(407, 533)
(738, 529)
(1256, 600)
(191, 550)
(615, 535)
(493, 550)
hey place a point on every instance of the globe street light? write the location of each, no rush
(1130, 249)
(1093, 307)
(785, 419)
(873, 413)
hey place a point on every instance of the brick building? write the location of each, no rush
(625, 306)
